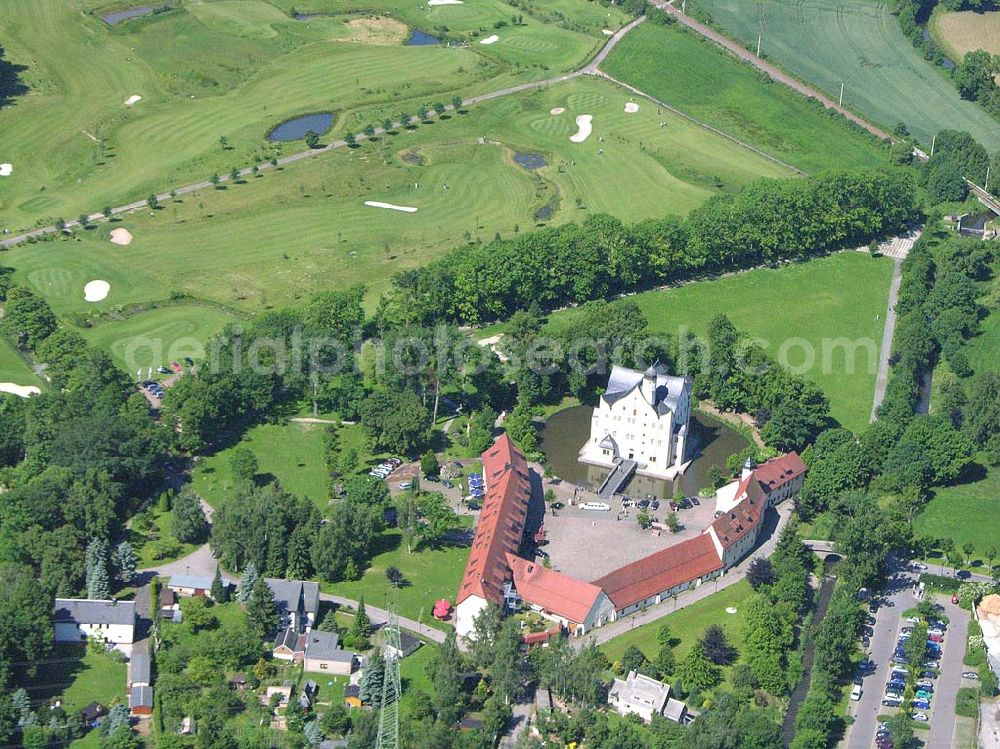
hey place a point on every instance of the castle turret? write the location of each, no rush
(748, 467)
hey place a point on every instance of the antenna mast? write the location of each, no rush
(388, 718)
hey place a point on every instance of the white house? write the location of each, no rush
(642, 416)
(79, 619)
(640, 695)
(576, 605)
(297, 602)
(323, 653)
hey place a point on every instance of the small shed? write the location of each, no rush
(352, 696)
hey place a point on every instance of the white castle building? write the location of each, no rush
(643, 416)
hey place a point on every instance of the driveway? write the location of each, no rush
(948, 683)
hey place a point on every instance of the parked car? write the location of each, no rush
(404, 485)
(963, 575)
(892, 702)
(928, 674)
(918, 567)
(695, 500)
(654, 505)
(901, 660)
(930, 663)
(163, 370)
(921, 704)
(970, 675)
(923, 694)
(919, 717)
(856, 692)
(926, 685)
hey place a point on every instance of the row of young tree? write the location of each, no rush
(768, 221)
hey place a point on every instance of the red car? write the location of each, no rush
(954, 597)
(175, 366)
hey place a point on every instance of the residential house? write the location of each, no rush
(640, 695)
(194, 585)
(168, 603)
(574, 604)
(79, 619)
(289, 645)
(642, 416)
(284, 695)
(323, 653)
(408, 644)
(297, 602)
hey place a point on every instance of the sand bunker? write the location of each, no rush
(6, 169)
(584, 128)
(492, 39)
(557, 110)
(445, 2)
(631, 107)
(22, 390)
(133, 99)
(608, 32)
(95, 291)
(390, 206)
(121, 236)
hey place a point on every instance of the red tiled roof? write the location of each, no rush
(557, 593)
(501, 522)
(779, 471)
(742, 519)
(660, 571)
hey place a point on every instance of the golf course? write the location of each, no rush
(858, 43)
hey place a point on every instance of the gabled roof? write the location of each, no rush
(325, 646)
(197, 582)
(89, 611)
(138, 668)
(501, 522)
(294, 595)
(141, 697)
(779, 471)
(667, 388)
(744, 517)
(557, 593)
(660, 571)
(287, 638)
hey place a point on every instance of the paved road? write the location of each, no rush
(589, 67)
(882, 378)
(688, 597)
(772, 71)
(946, 687)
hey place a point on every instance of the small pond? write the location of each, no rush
(565, 432)
(529, 161)
(123, 15)
(296, 129)
(419, 39)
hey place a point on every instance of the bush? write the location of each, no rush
(967, 702)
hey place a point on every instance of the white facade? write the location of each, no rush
(643, 416)
(78, 620)
(466, 613)
(640, 695)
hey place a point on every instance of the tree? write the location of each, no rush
(243, 464)
(456, 102)
(672, 522)
(98, 583)
(261, 609)
(125, 562)
(394, 576)
(991, 554)
(234, 174)
(219, 592)
(27, 317)
(373, 679)
(83, 220)
(634, 659)
(644, 520)
(760, 573)
(387, 125)
(189, 524)
(974, 76)
(214, 179)
(485, 630)
(361, 627)
(968, 548)
(429, 464)
(312, 139)
(696, 673)
(447, 693)
(717, 647)
(198, 614)
(946, 184)
(350, 140)
(152, 201)
(396, 421)
(247, 583)
(107, 212)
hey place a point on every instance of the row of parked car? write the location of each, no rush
(385, 468)
(153, 388)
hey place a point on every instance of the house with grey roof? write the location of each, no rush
(641, 417)
(80, 619)
(408, 644)
(139, 670)
(323, 653)
(297, 602)
(193, 585)
(640, 695)
(140, 700)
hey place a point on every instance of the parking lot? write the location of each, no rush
(943, 681)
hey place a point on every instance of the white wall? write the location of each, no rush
(466, 613)
(328, 667)
(116, 634)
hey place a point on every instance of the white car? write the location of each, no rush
(918, 566)
(936, 631)
(921, 717)
(404, 485)
(912, 620)
(971, 675)
(856, 692)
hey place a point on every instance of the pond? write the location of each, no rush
(529, 161)
(565, 432)
(419, 39)
(123, 15)
(296, 129)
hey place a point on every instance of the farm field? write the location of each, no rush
(857, 42)
(233, 69)
(287, 234)
(684, 70)
(688, 624)
(829, 298)
(291, 453)
(159, 336)
(966, 31)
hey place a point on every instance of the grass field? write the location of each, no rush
(857, 42)
(13, 368)
(285, 235)
(159, 336)
(966, 31)
(684, 70)
(430, 574)
(800, 305)
(291, 453)
(77, 677)
(688, 625)
(145, 543)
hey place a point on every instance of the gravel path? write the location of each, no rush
(882, 379)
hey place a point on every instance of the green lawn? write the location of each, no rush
(281, 237)
(159, 336)
(77, 677)
(14, 368)
(145, 543)
(684, 70)
(859, 43)
(430, 575)
(292, 453)
(688, 624)
(965, 512)
(809, 304)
